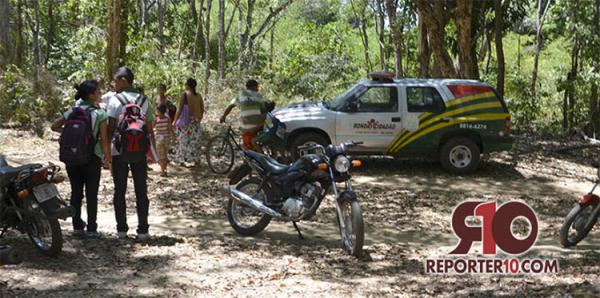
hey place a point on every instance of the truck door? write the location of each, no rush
(423, 106)
(373, 116)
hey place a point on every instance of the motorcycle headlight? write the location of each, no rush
(342, 164)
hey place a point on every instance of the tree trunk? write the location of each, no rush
(221, 68)
(380, 30)
(249, 20)
(436, 35)
(571, 84)
(199, 35)
(424, 53)
(113, 37)
(19, 47)
(35, 43)
(364, 37)
(396, 35)
(463, 22)
(594, 101)
(541, 16)
(124, 27)
(498, 25)
(207, 47)
(49, 33)
(4, 34)
(160, 12)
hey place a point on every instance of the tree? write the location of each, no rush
(221, 68)
(49, 32)
(424, 52)
(207, 47)
(465, 44)
(436, 34)
(4, 33)
(360, 16)
(391, 8)
(113, 37)
(543, 6)
(378, 6)
(498, 26)
(160, 11)
(199, 34)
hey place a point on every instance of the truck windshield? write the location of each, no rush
(339, 102)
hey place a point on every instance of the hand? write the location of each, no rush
(107, 163)
(222, 119)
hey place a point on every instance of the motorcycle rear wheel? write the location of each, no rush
(578, 220)
(236, 209)
(353, 236)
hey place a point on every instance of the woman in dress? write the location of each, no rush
(188, 122)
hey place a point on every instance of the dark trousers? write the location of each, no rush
(88, 177)
(120, 172)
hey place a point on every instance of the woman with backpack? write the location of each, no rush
(84, 148)
(188, 122)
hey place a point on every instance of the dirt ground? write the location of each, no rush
(406, 207)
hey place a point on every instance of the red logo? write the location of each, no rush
(496, 227)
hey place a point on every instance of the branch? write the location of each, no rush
(265, 23)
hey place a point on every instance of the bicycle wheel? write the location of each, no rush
(219, 154)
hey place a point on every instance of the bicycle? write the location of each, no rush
(220, 151)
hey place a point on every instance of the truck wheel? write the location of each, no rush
(304, 139)
(460, 156)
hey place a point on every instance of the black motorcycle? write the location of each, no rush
(295, 192)
(30, 203)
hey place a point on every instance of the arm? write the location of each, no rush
(179, 107)
(57, 126)
(226, 112)
(106, 144)
(201, 108)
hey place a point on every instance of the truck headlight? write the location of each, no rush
(342, 164)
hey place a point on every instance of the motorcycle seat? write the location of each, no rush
(7, 172)
(269, 164)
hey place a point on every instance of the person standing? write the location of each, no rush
(188, 122)
(252, 107)
(162, 99)
(162, 131)
(126, 150)
(84, 166)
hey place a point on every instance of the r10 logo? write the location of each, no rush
(496, 227)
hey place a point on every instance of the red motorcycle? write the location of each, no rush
(582, 218)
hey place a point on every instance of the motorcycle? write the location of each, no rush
(31, 204)
(582, 218)
(295, 192)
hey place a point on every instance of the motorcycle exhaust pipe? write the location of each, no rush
(246, 199)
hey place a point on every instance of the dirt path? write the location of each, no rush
(406, 207)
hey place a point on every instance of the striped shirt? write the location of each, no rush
(251, 104)
(161, 128)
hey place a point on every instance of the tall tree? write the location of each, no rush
(436, 34)
(160, 12)
(124, 28)
(377, 6)
(466, 61)
(35, 33)
(4, 33)
(543, 6)
(360, 14)
(207, 47)
(424, 52)
(113, 37)
(199, 34)
(49, 32)
(221, 67)
(391, 8)
(19, 42)
(595, 56)
(498, 25)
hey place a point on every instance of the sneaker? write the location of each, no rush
(122, 235)
(79, 234)
(142, 237)
(93, 235)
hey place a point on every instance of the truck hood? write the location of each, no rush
(304, 111)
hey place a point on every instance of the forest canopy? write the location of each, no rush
(541, 55)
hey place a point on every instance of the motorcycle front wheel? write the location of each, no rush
(353, 236)
(44, 232)
(245, 220)
(577, 225)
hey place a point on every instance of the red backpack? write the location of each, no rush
(131, 135)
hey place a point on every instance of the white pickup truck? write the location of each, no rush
(453, 120)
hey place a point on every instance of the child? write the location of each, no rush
(162, 130)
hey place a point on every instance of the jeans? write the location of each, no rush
(87, 176)
(120, 173)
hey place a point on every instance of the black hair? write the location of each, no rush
(162, 86)
(162, 108)
(85, 89)
(252, 85)
(192, 84)
(125, 72)
(269, 106)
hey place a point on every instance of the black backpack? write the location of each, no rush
(77, 139)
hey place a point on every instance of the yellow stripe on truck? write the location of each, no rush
(470, 108)
(471, 118)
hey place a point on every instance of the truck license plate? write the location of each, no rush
(45, 192)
